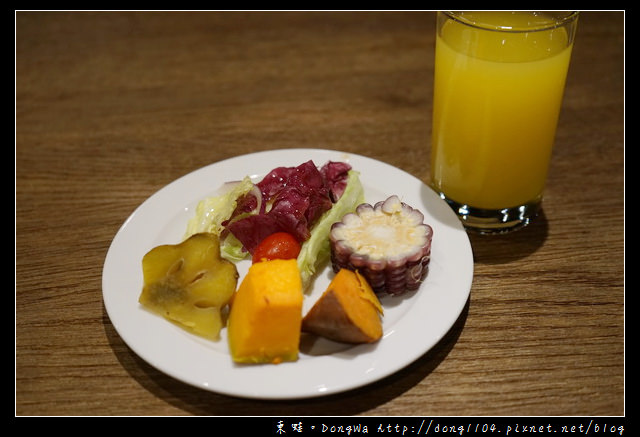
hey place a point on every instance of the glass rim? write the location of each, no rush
(563, 21)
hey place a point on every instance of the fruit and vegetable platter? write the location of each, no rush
(307, 256)
(288, 223)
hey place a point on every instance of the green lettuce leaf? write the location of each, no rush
(212, 211)
(316, 251)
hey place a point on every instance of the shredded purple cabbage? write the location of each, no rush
(293, 199)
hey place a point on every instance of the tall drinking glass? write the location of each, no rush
(499, 82)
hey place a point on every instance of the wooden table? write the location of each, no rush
(112, 106)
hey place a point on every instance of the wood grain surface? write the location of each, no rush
(112, 106)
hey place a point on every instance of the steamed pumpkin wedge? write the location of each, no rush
(348, 311)
(266, 314)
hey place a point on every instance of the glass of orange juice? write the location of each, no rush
(498, 86)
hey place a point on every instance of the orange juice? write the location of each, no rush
(497, 97)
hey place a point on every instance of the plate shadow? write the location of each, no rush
(196, 401)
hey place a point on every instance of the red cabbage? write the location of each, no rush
(293, 199)
(335, 176)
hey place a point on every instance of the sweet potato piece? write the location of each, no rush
(266, 314)
(348, 311)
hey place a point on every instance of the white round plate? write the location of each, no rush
(412, 323)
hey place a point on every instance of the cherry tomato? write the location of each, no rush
(280, 245)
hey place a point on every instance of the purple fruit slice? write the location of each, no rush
(388, 243)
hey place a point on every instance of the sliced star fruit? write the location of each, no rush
(189, 284)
